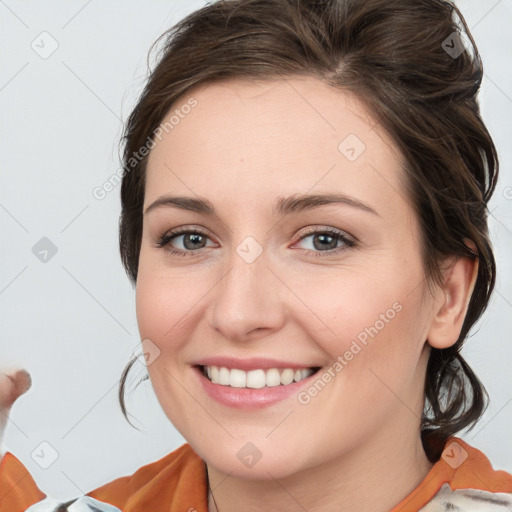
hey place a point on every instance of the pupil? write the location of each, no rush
(194, 238)
(323, 237)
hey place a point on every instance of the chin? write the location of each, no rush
(253, 460)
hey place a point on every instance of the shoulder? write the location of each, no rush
(469, 500)
(169, 483)
(18, 490)
(467, 482)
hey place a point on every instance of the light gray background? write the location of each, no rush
(71, 321)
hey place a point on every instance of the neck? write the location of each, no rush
(374, 477)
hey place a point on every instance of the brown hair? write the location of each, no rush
(404, 60)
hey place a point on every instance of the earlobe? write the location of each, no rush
(450, 312)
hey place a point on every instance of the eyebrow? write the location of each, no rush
(283, 205)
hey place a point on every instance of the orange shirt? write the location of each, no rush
(177, 482)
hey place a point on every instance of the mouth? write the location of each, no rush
(257, 378)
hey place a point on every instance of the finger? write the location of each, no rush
(13, 383)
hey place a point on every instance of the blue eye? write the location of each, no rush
(194, 240)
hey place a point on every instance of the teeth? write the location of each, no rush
(255, 378)
(237, 378)
(287, 376)
(273, 377)
(224, 376)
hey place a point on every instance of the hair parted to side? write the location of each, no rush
(391, 54)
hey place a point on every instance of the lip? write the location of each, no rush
(253, 363)
(249, 398)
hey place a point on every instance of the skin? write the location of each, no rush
(243, 146)
(13, 383)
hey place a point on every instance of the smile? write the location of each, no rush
(252, 388)
(255, 379)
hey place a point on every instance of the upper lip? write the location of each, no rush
(252, 363)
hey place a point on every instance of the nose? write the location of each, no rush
(248, 301)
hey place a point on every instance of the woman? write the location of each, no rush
(311, 180)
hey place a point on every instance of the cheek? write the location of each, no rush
(163, 297)
(150, 300)
(160, 319)
(373, 327)
(161, 305)
(357, 306)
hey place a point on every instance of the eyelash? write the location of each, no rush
(169, 236)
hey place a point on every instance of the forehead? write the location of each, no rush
(260, 139)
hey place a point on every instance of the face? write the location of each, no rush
(279, 286)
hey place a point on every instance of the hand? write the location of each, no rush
(13, 383)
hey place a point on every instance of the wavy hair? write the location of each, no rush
(406, 61)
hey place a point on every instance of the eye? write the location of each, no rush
(192, 240)
(326, 241)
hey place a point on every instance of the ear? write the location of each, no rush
(450, 311)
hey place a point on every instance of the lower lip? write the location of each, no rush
(249, 398)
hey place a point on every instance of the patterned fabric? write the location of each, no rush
(83, 504)
(446, 500)
(468, 500)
